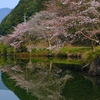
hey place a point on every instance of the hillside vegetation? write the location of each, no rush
(25, 7)
(53, 25)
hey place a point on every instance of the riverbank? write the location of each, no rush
(83, 57)
(84, 53)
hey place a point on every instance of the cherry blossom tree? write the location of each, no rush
(67, 21)
(81, 18)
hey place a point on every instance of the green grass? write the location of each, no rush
(75, 49)
(86, 52)
(92, 55)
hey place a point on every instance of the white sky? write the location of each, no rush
(8, 3)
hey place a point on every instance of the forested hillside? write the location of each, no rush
(25, 7)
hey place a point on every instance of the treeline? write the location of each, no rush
(25, 7)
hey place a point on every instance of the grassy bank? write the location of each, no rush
(82, 54)
(85, 53)
(65, 55)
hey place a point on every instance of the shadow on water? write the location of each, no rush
(49, 79)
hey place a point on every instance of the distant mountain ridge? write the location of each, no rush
(4, 12)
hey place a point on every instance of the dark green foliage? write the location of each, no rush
(16, 16)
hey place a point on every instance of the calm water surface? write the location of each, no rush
(5, 93)
(46, 79)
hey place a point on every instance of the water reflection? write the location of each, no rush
(5, 93)
(49, 80)
(2, 86)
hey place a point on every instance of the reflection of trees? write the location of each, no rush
(43, 80)
(29, 64)
(49, 81)
(81, 88)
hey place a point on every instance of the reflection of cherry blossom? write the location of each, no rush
(43, 80)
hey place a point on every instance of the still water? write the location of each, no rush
(46, 79)
(5, 93)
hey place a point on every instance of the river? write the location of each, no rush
(46, 79)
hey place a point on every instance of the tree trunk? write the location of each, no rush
(93, 46)
(49, 43)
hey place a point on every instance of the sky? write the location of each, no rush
(8, 3)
